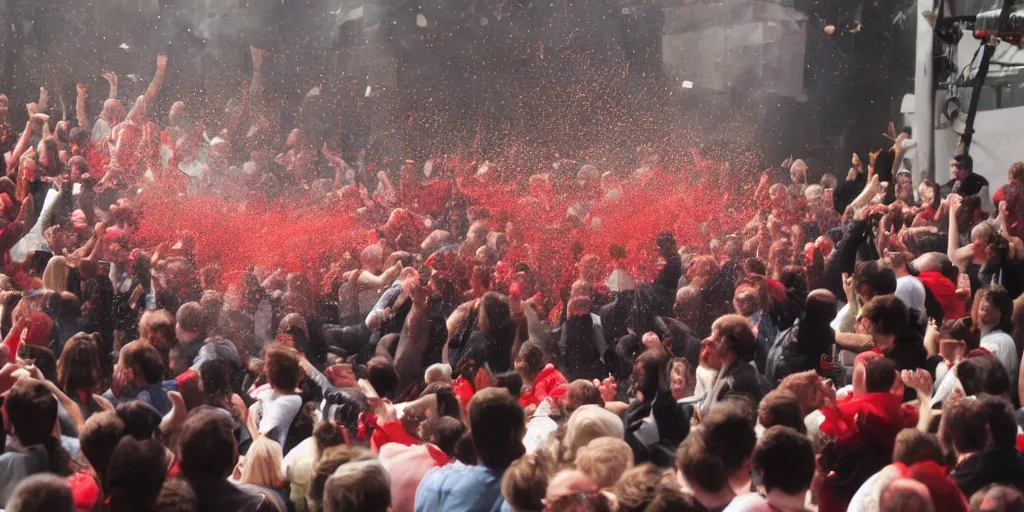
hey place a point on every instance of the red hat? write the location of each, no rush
(945, 494)
(85, 491)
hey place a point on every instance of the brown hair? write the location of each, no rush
(144, 360)
(325, 435)
(99, 437)
(781, 407)
(192, 318)
(158, 325)
(330, 460)
(359, 486)
(176, 496)
(804, 386)
(699, 465)
(207, 450)
(966, 425)
(281, 367)
(496, 427)
(1016, 172)
(526, 480)
(31, 413)
(605, 459)
(637, 487)
(78, 368)
(785, 459)
(136, 474)
(737, 335)
(42, 492)
(914, 446)
(888, 314)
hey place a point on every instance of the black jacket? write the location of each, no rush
(994, 465)
(740, 378)
(218, 496)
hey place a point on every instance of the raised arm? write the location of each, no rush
(158, 80)
(96, 253)
(257, 54)
(413, 340)
(92, 249)
(19, 228)
(953, 244)
(368, 280)
(23, 142)
(111, 79)
(44, 99)
(140, 106)
(853, 342)
(80, 110)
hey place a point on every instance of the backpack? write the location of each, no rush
(783, 356)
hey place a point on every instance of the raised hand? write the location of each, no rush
(874, 156)
(257, 55)
(176, 416)
(919, 380)
(956, 201)
(111, 77)
(607, 388)
(849, 288)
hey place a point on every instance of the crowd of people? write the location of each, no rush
(853, 344)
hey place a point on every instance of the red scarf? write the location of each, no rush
(944, 291)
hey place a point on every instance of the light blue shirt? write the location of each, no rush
(460, 488)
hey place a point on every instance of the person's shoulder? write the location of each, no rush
(998, 337)
(433, 480)
(746, 502)
(260, 499)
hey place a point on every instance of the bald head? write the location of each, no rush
(906, 494)
(930, 262)
(821, 305)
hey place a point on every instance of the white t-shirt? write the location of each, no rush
(1001, 345)
(539, 428)
(278, 412)
(910, 290)
(100, 129)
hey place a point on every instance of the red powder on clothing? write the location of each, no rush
(239, 235)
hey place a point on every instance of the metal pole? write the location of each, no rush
(924, 94)
(979, 82)
(988, 50)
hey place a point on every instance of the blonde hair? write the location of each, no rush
(263, 464)
(360, 486)
(55, 277)
(587, 423)
(438, 372)
(605, 459)
(525, 481)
